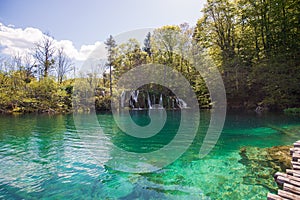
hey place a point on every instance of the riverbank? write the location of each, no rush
(105, 107)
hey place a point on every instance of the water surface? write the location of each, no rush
(44, 157)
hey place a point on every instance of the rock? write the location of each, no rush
(280, 156)
(263, 163)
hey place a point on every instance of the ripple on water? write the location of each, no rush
(45, 158)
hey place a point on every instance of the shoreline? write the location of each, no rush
(71, 111)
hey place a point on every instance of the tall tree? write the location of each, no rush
(165, 42)
(147, 44)
(129, 56)
(219, 30)
(29, 67)
(64, 65)
(44, 55)
(255, 44)
(110, 46)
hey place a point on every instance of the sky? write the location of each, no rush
(80, 26)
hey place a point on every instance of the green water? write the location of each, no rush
(43, 157)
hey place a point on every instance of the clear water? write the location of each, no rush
(43, 157)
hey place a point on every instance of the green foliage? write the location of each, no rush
(292, 111)
(102, 103)
(19, 95)
(147, 45)
(111, 48)
(256, 46)
(169, 45)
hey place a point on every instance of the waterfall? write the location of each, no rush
(135, 95)
(160, 101)
(181, 103)
(153, 99)
(173, 105)
(134, 98)
(149, 101)
(123, 95)
(130, 103)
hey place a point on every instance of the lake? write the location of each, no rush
(46, 157)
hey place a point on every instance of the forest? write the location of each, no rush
(255, 44)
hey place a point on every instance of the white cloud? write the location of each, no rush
(21, 41)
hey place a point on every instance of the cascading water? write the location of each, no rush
(149, 102)
(161, 101)
(181, 103)
(131, 104)
(134, 95)
(123, 95)
(136, 105)
(173, 103)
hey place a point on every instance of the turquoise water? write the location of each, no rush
(44, 157)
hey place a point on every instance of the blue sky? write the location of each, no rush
(89, 21)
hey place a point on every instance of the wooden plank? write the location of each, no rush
(296, 153)
(281, 180)
(291, 171)
(296, 156)
(290, 188)
(274, 197)
(287, 176)
(291, 151)
(297, 144)
(288, 195)
(295, 163)
(296, 167)
(295, 173)
(294, 150)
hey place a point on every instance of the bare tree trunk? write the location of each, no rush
(110, 82)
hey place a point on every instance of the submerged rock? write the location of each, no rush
(263, 163)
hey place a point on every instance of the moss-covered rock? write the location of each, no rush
(263, 163)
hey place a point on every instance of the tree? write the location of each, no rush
(29, 67)
(165, 42)
(110, 46)
(147, 44)
(17, 62)
(185, 46)
(129, 55)
(220, 31)
(255, 44)
(44, 55)
(64, 65)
